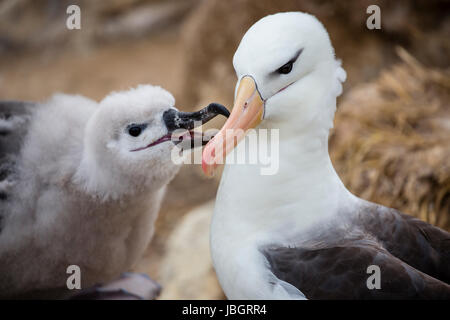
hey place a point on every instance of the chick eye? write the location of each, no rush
(285, 69)
(135, 131)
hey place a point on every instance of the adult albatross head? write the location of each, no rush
(286, 70)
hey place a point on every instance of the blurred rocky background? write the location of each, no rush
(391, 142)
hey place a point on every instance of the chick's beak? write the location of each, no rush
(247, 113)
(174, 119)
(180, 124)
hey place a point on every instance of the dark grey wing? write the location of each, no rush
(14, 119)
(341, 272)
(417, 243)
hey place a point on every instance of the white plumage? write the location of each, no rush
(300, 233)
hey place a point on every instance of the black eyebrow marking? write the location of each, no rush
(292, 60)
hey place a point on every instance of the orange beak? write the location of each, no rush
(247, 113)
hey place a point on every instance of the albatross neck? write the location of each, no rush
(305, 190)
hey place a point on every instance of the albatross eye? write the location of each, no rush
(285, 69)
(135, 131)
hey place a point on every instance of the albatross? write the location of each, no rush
(299, 233)
(81, 184)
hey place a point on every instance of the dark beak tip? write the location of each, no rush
(219, 108)
(175, 119)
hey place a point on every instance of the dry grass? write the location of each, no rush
(392, 140)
